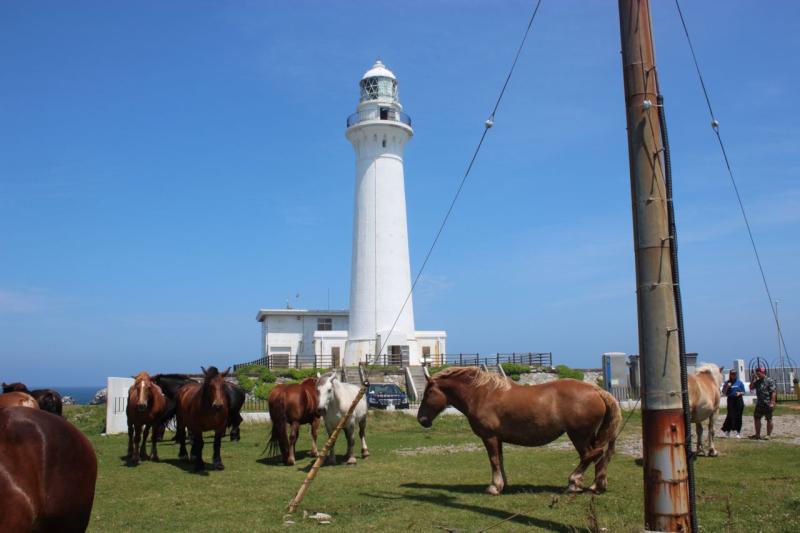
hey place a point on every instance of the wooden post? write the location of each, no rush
(666, 484)
(301, 492)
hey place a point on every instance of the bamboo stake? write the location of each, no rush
(324, 453)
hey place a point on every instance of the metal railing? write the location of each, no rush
(388, 114)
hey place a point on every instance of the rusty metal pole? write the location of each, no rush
(666, 486)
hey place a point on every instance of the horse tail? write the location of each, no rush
(279, 441)
(609, 428)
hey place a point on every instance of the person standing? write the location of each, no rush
(733, 390)
(766, 395)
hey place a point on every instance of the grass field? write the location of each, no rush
(426, 480)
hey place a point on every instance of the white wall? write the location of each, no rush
(116, 403)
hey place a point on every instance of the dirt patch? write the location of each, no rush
(439, 450)
(786, 431)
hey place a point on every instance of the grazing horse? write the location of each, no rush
(48, 399)
(294, 404)
(146, 406)
(334, 400)
(500, 410)
(18, 399)
(171, 383)
(203, 407)
(704, 396)
(48, 471)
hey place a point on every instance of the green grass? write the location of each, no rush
(753, 486)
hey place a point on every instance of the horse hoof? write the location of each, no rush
(290, 462)
(494, 491)
(199, 467)
(351, 461)
(314, 453)
(713, 453)
(700, 453)
(574, 489)
(364, 454)
(597, 489)
(155, 459)
(145, 457)
(219, 466)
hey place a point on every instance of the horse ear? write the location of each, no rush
(204, 371)
(226, 372)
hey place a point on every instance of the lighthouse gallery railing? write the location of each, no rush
(378, 114)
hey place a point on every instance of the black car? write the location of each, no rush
(382, 395)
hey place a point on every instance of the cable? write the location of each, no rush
(715, 127)
(489, 123)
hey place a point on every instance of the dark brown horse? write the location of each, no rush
(294, 404)
(48, 471)
(18, 399)
(48, 399)
(203, 407)
(146, 406)
(500, 410)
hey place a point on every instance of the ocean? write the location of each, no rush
(82, 395)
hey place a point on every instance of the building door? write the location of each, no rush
(335, 356)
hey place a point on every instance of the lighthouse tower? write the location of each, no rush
(381, 274)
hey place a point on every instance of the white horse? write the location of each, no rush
(704, 402)
(335, 398)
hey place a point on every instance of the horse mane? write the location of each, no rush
(211, 372)
(142, 375)
(476, 377)
(713, 370)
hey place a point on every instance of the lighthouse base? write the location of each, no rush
(398, 350)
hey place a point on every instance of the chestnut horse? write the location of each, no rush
(294, 404)
(203, 407)
(48, 471)
(18, 399)
(48, 399)
(500, 410)
(704, 395)
(146, 406)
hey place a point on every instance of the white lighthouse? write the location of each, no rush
(381, 273)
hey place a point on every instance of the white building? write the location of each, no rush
(307, 338)
(380, 323)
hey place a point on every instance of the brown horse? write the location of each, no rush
(146, 405)
(18, 399)
(294, 404)
(48, 471)
(203, 407)
(48, 399)
(704, 396)
(500, 410)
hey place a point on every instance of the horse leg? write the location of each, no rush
(295, 432)
(314, 428)
(712, 452)
(180, 435)
(217, 449)
(137, 435)
(362, 433)
(156, 437)
(350, 433)
(143, 450)
(130, 442)
(237, 421)
(587, 456)
(699, 428)
(495, 449)
(197, 450)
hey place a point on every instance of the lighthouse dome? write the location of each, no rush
(378, 83)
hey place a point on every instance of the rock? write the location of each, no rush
(67, 400)
(99, 397)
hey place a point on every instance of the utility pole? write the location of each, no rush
(666, 480)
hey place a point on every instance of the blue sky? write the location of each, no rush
(168, 168)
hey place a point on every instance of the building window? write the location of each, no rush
(324, 324)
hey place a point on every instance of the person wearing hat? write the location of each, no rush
(733, 390)
(766, 395)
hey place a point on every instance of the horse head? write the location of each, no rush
(142, 386)
(214, 387)
(434, 401)
(325, 391)
(15, 387)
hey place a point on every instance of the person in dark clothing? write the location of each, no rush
(733, 390)
(766, 395)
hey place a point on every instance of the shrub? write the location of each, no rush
(247, 383)
(262, 390)
(436, 369)
(297, 374)
(566, 372)
(513, 370)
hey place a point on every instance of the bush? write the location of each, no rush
(436, 369)
(297, 374)
(513, 370)
(566, 372)
(262, 390)
(246, 383)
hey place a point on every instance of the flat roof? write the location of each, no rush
(264, 313)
